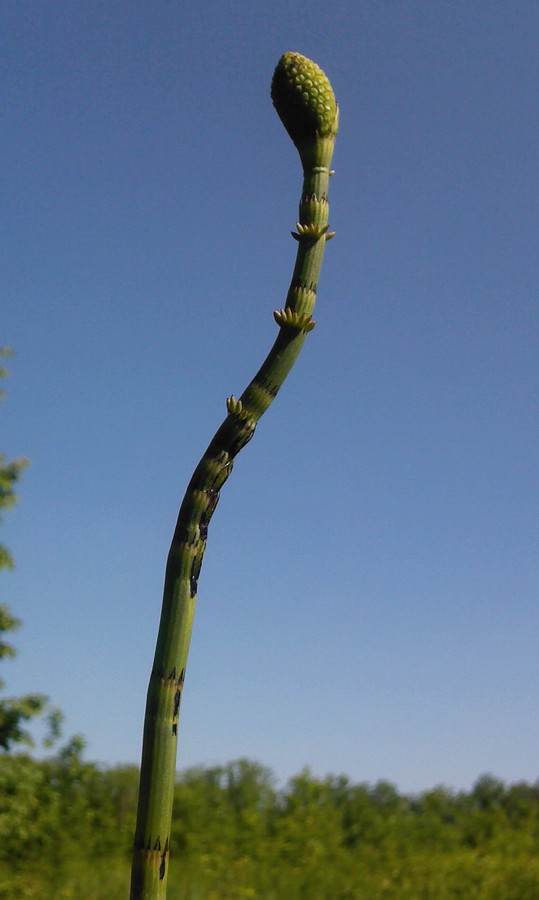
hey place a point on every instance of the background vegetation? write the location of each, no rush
(66, 828)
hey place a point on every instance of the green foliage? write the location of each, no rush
(10, 473)
(66, 829)
(15, 712)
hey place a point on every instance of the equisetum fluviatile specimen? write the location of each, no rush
(306, 105)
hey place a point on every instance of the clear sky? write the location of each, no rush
(368, 603)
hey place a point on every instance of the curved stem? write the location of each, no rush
(158, 767)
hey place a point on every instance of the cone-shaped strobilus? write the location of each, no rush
(305, 103)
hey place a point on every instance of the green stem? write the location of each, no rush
(158, 767)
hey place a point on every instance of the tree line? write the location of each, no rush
(66, 828)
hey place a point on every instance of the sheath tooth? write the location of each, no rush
(234, 407)
(293, 319)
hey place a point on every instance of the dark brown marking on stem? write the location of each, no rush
(196, 566)
(177, 701)
(241, 438)
(183, 536)
(267, 387)
(222, 474)
(164, 861)
(213, 500)
(272, 389)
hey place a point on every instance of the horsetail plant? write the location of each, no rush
(306, 105)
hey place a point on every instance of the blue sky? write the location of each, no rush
(368, 601)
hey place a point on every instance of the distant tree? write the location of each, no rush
(16, 711)
(10, 473)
